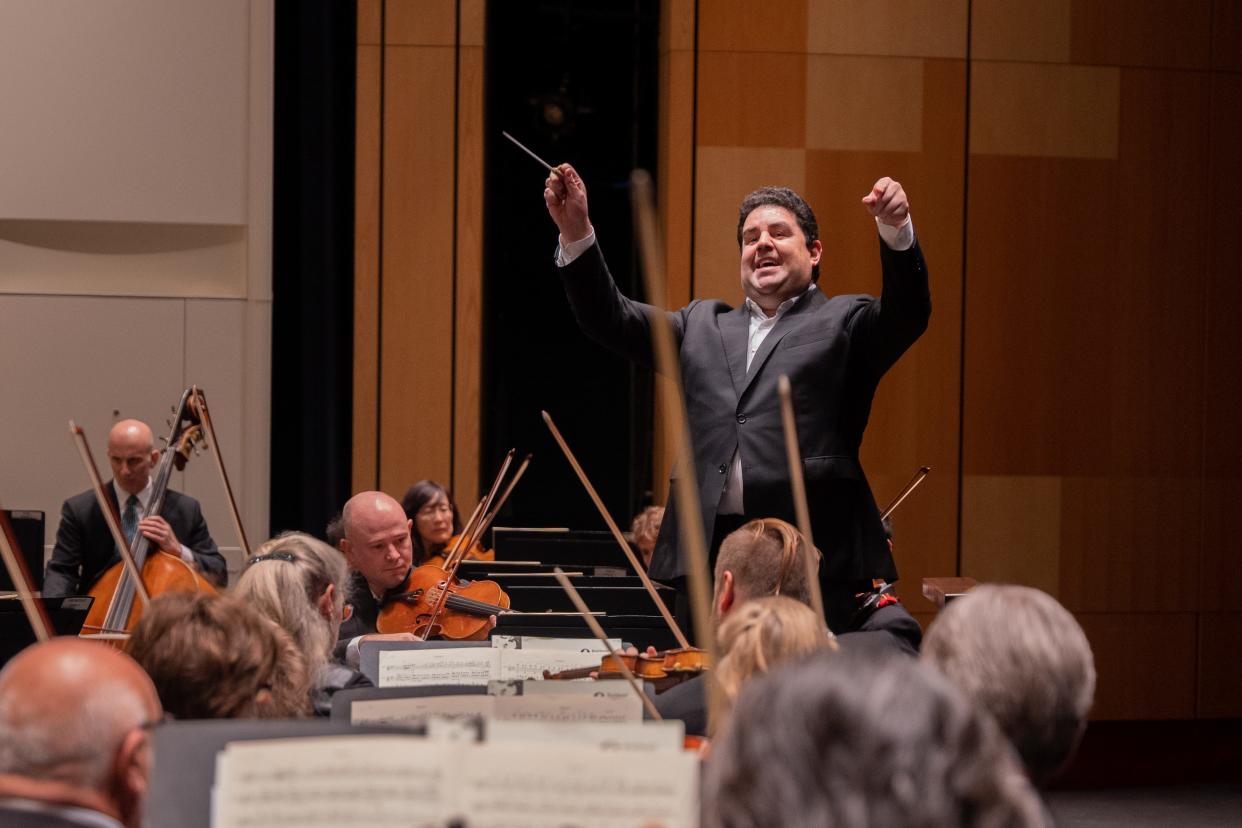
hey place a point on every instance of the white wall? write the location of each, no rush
(135, 238)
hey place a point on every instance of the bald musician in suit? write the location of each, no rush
(834, 351)
(84, 546)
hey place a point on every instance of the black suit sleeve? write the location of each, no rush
(64, 571)
(882, 330)
(206, 555)
(608, 317)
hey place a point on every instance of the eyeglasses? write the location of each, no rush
(433, 509)
(347, 612)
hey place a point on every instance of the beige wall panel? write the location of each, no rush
(1044, 110)
(98, 258)
(732, 25)
(1130, 544)
(1220, 669)
(751, 100)
(370, 22)
(103, 372)
(1158, 33)
(366, 266)
(125, 111)
(1011, 530)
(420, 22)
(848, 98)
(676, 172)
(677, 18)
(1144, 663)
(468, 363)
(1029, 30)
(1227, 36)
(417, 278)
(724, 176)
(924, 28)
(215, 360)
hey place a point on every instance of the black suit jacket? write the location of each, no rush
(834, 351)
(84, 548)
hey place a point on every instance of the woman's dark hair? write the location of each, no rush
(418, 496)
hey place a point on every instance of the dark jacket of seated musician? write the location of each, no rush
(767, 557)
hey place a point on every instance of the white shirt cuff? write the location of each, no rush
(566, 253)
(897, 238)
(352, 657)
(187, 555)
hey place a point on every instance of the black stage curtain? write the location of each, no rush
(312, 262)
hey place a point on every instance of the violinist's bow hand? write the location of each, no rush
(566, 198)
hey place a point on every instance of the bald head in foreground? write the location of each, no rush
(74, 738)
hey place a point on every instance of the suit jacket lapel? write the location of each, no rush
(734, 333)
(783, 326)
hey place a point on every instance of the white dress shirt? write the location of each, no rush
(144, 497)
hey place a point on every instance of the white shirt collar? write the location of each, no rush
(144, 496)
(757, 313)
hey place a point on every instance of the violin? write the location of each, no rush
(664, 669)
(476, 552)
(433, 601)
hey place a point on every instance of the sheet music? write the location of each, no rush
(334, 782)
(530, 664)
(539, 642)
(666, 736)
(569, 708)
(578, 687)
(415, 710)
(440, 665)
(552, 786)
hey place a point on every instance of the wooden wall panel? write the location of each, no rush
(1021, 30)
(752, 99)
(1144, 664)
(1220, 669)
(731, 25)
(1156, 33)
(366, 248)
(922, 28)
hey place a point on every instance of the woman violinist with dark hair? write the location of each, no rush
(436, 521)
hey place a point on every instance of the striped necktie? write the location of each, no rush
(129, 520)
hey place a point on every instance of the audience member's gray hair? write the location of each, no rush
(79, 747)
(1022, 657)
(288, 591)
(843, 741)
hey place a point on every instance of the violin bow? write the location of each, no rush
(801, 509)
(585, 612)
(919, 477)
(198, 404)
(464, 541)
(36, 613)
(616, 533)
(109, 512)
(504, 496)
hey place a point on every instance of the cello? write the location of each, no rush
(114, 610)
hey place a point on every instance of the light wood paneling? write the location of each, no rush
(421, 22)
(1220, 670)
(677, 23)
(1011, 530)
(365, 473)
(923, 28)
(370, 22)
(1144, 663)
(1156, 33)
(1021, 30)
(872, 104)
(1044, 109)
(752, 99)
(724, 176)
(468, 355)
(416, 294)
(738, 26)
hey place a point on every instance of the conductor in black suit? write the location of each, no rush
(84, 546)
(834, 351)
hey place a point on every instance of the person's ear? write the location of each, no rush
(817, 251)
(347, 550)
(726, 595)
(327, 602)
(131, 775)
